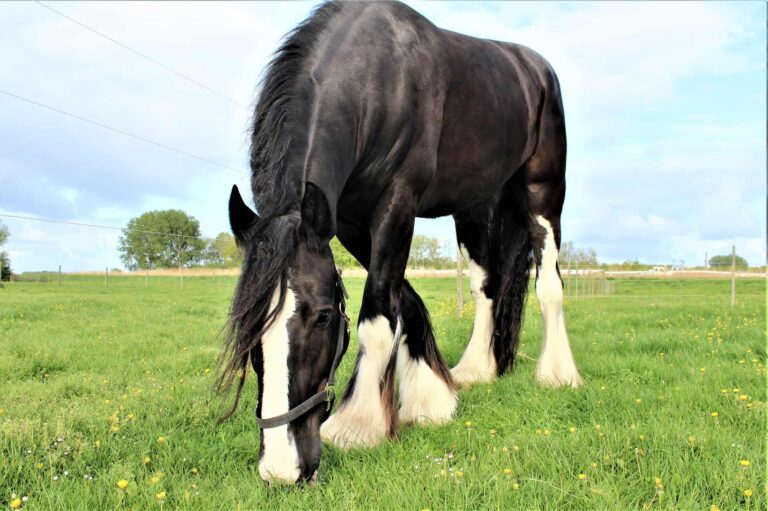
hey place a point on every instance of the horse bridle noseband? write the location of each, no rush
(327, 394)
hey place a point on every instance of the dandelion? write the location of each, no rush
(638, 401)
(147, 460)
(97, 443)
(505, 449)
(160, 497)
(459, 473)
(748, 493)
(642, 437)
(593, 465)
(155, 479)
(736, 390)
(516, 448)
(547, 432)
(743, 397)
(659, 483)
(40, 466)
(703, 369)
(468, 424)
(492, 432)
(161, 440)
(713, 507)
(122, 485)
(582, 477)
(744, 463)
(16, 504)
(194, 470)
(515, 486)
(691, 439)
(507, 471)
(572, 429)
(114, 428)
(444, 473)
(714, 414)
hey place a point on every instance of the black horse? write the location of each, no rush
(368, 117)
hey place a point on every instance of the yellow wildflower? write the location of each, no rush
(507, 471)
(515, 486)
(659, 483)
(691, 439)
(147, 460)
(747, 493)
(593, 465)
(155, 479)
(572, 429)
(161, 440)
(714, 414)
(459, 473)
(582, 477)
(194, 470)
(97, 443)
(638, 401)
(114, 428)
(468, 424)
(492, 432)
(515, 448)
(713, 507)
(16, 504)
(744, 463)
(161, 496)
(743, 397)
(122, 484)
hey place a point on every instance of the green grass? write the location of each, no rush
(658, 358)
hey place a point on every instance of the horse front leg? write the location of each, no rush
(367, 412)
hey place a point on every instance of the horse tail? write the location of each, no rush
(514, 255)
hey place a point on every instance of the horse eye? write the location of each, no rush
(322, 319)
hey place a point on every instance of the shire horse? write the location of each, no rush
(368, 117)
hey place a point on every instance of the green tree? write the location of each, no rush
(161, 239)
(342, 257)
(723, 262)
(570, 254)
(5, 260)
(226, 246)
(429, 252)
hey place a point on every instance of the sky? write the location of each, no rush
(665, 110)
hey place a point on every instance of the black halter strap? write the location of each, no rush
(326, 395)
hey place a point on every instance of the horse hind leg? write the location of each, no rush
(478, 363)
(427, 390)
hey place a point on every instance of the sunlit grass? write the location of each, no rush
(105, 403)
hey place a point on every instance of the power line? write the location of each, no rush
(145, 57)
(118, 130)
(54, 221)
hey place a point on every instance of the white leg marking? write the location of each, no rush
(556, 365)
(477, 364)
(361, 420)
(425, 398)
(280, 460)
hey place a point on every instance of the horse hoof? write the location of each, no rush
(347, 431)
(467, 376)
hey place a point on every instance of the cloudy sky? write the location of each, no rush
(665, 106)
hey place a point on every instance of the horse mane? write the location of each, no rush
(277, 154)
(278, 132)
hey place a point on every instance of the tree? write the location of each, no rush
(231, 255)
(161, 239)
(5, 260)
(723, 262)
(569, 254)
(428, 252)
(342, 257)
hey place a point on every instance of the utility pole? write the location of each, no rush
(733, 275)
(459, 283)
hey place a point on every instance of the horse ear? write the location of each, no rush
(241, 217)
(316, 212)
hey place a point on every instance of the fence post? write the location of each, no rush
(459, 283)
(733, 275)
(106, 276)
(146, 277)
(59, 282)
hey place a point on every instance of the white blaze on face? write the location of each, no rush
(280, 461)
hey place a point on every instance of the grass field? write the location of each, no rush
(105, 385)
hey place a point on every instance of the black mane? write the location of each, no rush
(277, 152)
(278, 133)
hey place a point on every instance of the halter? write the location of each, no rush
(327, 394)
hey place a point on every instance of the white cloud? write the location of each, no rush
(665, 106)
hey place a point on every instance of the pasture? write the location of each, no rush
(103, 385)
